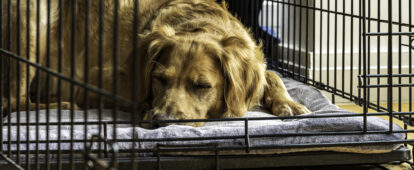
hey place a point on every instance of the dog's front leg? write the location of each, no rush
(277, 99)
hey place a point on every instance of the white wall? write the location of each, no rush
(327, 28)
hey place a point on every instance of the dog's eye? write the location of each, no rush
(202, 86)
(162, 80)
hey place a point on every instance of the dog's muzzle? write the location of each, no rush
(158, 119)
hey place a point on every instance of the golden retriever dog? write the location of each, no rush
(201, 62)
(196, 60)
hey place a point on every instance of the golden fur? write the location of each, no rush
(196, 60)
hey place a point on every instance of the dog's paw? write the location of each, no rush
(66, 106)
(10, 107)
(5, 107)
(298, 108)
(285, 108)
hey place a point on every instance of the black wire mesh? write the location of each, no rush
(301, 39)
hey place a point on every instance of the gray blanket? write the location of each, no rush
(304, 94)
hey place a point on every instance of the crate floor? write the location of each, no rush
(316, 160)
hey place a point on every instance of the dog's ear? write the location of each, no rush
(150, 47)
(243, 69)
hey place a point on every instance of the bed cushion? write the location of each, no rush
(310, 97)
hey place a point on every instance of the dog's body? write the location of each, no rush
(191, 51)
(73, 46)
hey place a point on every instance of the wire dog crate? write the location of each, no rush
(357, 50)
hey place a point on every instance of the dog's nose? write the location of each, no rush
(156, 117)
(157, 124)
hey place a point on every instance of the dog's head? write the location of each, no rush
(193, 75)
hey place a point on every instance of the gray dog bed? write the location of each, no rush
(304, 94)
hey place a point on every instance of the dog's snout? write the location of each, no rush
(157, 117)
(157, 124)
(162, 116)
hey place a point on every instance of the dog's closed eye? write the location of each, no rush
(161, 79)
(202, 86)
(202, 83)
